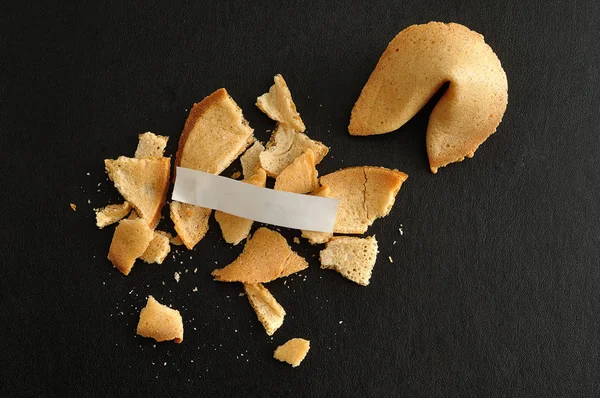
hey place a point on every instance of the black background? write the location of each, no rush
(494, 286)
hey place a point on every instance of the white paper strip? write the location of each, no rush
(285, 209)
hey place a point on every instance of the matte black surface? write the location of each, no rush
(494, 286)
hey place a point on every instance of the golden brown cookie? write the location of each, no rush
(415, 65)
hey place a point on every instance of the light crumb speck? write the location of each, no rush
(296, 240)
(195, 289)
(390, 257)
(73, 206)
(176, 276)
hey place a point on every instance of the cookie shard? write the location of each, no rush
(250, 159)
(266, 257)
(316, 237)
(176, 240)
(352, 257)
(130, 240)
(285, 146)
(190, 222)
(365, 193)
(151, 145)
(279, 105)
(293, 351)
(300, 176)
(382, 186)
(143, 183)
(111, 214)
(415, 65)
(234, 228)
(158, 248)
(214, 135)
(269, 312)
(159, 322)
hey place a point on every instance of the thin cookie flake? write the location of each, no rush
(151, 145)
(352, 257)
(159, 322)
(143, 183)
(158, 248)
(191, 222)
(176, 240)
(266, 257)
(214, 135)
(365, 193)
(293, 352)
(285, 146)
(279, 105)
(269, 312)
(130, 240)
(250, 159)
(111, 214)
(300, 176)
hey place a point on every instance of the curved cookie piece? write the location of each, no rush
(266, 257)
(129, 242)
(143, 183)
(190, 222)
(111, 214)
(151, 145)
(250, 161)
(269, 312)
(415, 65)
(285, 146)
(214, 135)
(300, 176)
(293, 351)
(279, 105)
(160, 322)
(352, 257)
(365, 193)
(159, 247)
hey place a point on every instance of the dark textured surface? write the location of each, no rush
(494, 288)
